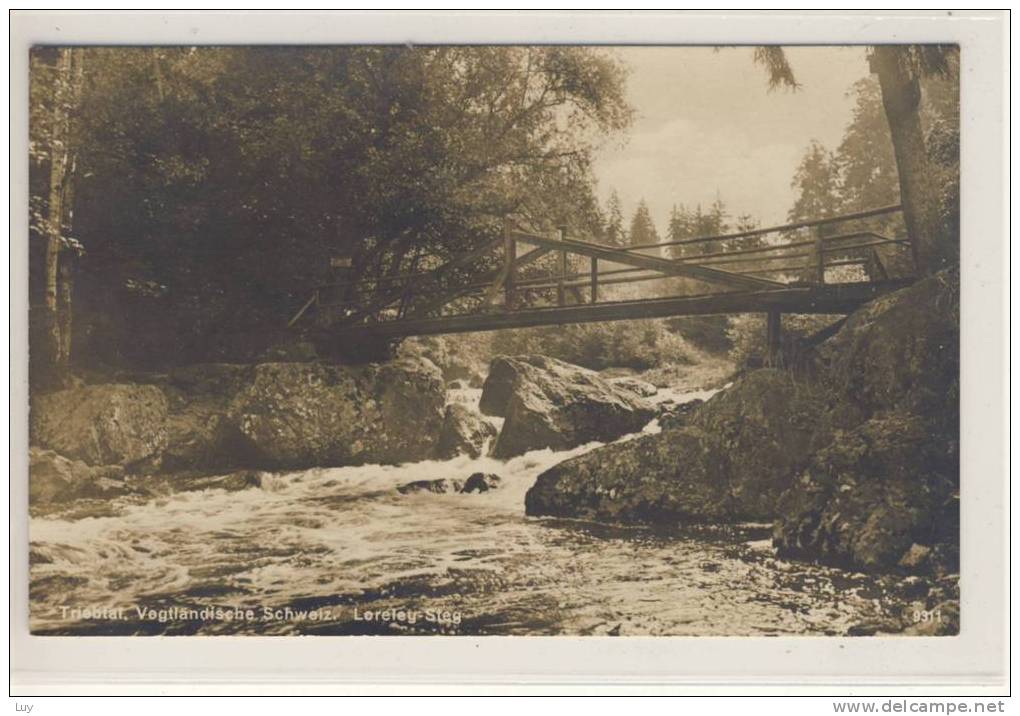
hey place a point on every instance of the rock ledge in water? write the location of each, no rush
(731, 461)
(481, 482)
(477, 482)
(54, 479)
(438, 487)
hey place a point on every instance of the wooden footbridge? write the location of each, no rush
(773, 270)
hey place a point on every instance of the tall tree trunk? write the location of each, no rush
(55, 215)
(64, 315)
(901, 98)
(66, 266)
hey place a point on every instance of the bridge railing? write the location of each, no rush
(753, 259)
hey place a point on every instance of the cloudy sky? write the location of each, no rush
(706, 125)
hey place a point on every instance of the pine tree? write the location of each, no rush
(679, 228)
(642, 228)
(817, 183)
(614, 232)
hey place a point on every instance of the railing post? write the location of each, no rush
(509, 256)
(594, 280)
(819, 255)
(561, 297)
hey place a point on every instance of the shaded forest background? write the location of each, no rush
(204, 190)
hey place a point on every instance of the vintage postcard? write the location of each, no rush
(494, 340)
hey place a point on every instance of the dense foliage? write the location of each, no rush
(212, 185)
(626, 344)
(861, 173)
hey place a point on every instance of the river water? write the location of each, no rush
(340, 551)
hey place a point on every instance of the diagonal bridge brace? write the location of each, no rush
(496, 276)
(650, 263)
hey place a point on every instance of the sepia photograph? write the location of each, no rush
(494, 340)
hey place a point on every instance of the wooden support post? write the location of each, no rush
(510, 255)
(875, 268)
(774, 339)
(561, 297)
(819, 255)
(594, 280)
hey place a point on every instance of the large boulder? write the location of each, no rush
(54, 479)
(884, 493)
(768, 424)
(675, 476)
(732, 461)
(551, 404)
(297, 415)
(202, 437)
(878, 497)
(456, 364)
(635, 385)
(499, 385)
(901, 352)
(109, 424)
(463, 433)
(201, 433)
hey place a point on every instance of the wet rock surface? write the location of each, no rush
(463, 433)
(455, 365)
(733, 458)
(437, 487)
(877, 497)
(677, 415)
(648, 480)
(551, 404)
(901, 352)
(208, 418)
(102, 424)
(884, 494)
(635, 385)
(56, 480)
(476, 482)
(201, 437)
(481, 482)
(302, 415)
(231, 482)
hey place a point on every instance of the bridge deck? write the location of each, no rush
(818, 299)
(783, 275)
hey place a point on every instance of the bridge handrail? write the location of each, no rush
(704, 262)
(891, 209)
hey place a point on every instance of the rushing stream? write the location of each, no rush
(340, 551)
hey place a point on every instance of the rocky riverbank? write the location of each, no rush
(217, 417)
(855, 461)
